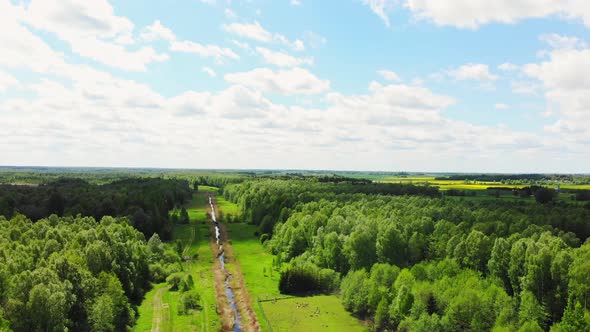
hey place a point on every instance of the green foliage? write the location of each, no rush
(471, 264)
(145, 200)
(302, 277)
(189, 300)
(72, 274)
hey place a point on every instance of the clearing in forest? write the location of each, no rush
(299, 313)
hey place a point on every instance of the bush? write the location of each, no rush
(186, 283)
(307, 277)
(157, 273)
(189, 301)
(174, 280)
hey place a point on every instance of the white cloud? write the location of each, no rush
(389, 75)
(293, 81)
(157, 31)
(501, 106)
(558, 41)
(209, 71)
(230, 14)
(472, 71)
(242, 45)
(282, 59)
(219, 53)
(475, 13)
(524, 87)
(507, 66)
(380, 8)
(257, 32)
(92, 30)
(7, 81)
(253, 31)
(296, 2)
(567, 90)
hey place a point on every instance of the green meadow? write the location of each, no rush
(309, 313)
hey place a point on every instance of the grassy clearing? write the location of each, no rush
(208, 188)
(314, 313)
(226, 207)
(195, 239)
(262, 283)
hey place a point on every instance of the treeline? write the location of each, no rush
(420, 263)
(145, 200)
(76, 274)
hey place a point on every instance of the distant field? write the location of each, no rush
(312, 313)
(471, 185)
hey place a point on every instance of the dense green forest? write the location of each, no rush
(145, 200)
(76, 273)
(409, 260)
(402, 257)
(76, 255)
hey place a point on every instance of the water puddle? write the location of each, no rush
(228, 291)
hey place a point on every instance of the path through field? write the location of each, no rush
(158, 310)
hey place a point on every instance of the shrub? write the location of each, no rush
(189, 301)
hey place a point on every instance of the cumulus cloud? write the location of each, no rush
(7, 81)
(257, 32)
(501, 106)
(295, 81)
(567, 88)
(214, 51)
(157, 31)
(472, 71)
(389, 75)
(92, 30)
(555, 40)
(475, 13)
(282, 59)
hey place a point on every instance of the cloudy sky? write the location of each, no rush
(413, 85)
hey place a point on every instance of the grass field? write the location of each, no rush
(314, 313)
(227, 207)
(295, 314)
(195, 238)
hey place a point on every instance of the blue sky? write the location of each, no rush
(412, 85)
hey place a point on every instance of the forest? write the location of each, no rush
(80, 254)
(418, 262)
(145, 200)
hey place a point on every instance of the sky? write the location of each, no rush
(379, 85)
